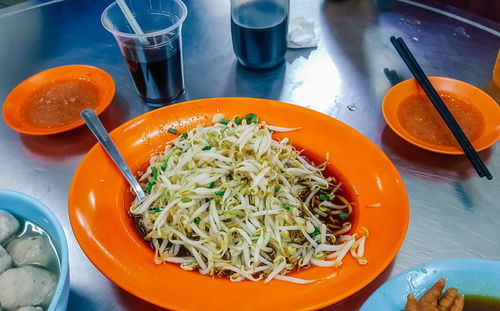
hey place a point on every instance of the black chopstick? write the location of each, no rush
(469, 150)
(444, 112)
(438, 103)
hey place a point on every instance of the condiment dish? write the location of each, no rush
(488, 108)
(18, 108)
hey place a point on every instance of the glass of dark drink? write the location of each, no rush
(259, 31)
(154, 57)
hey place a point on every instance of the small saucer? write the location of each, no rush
(20, 95)
(483, 102)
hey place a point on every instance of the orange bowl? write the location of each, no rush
(99, 200)
(20, 95)
(483, 102)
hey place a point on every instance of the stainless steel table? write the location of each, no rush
(453, 212)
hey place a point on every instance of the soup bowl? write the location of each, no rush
(29, 208)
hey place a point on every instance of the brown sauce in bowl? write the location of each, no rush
(419, 117)
(481, 303)
(60, 103)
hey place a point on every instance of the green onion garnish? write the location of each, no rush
(155, 172)
(251, 118)
(343, 216)
(323, 197)
(197, 220)
(315, 232)
(150, 185)
(225, 122)
(212, 184)
(157, 210)
(220, 193)
(172, 130)
(237, 120)
(286, 206)
(185, 135)
(164, 166)
(277, 188)
(207, 148)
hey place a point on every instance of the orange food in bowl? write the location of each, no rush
(99, 201)
(50, 101)
(419, 117)
(409, 113)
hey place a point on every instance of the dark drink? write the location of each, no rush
(259, 30)
(157, 71)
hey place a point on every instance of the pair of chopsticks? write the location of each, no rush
(438, 103)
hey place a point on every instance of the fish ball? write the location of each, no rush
(30, 250)
(5, 260)
(8, 225)
(26, 286)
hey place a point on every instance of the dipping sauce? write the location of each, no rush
(419, 117)
(60, 103)
(481, 303)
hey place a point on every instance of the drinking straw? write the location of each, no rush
(131, 20)
(438, 103)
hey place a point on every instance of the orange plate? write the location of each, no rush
(99, 198)
(14, 103)
(471, 94)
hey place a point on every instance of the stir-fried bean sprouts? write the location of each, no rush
(230, 200)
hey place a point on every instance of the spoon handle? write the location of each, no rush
(95, 125)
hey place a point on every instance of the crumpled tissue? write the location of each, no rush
(301, 34)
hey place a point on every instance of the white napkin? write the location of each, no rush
(301, 34)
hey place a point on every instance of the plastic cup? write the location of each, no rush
(154, 57)
(259, 31)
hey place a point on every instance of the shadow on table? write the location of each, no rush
(78, 302)
(77, 141)
(355, 301)
(133, 303)
(266, 83)
(426, 164)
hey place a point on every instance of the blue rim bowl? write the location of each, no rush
(470, 275)
(30, 208)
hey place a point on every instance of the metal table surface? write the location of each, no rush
(453, 213)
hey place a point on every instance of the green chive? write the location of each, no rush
(225, 122)
(172, 130)
(212, 184)
(251, 118)
(168, 157)
(157, 210)
(315, 232)
(185, 200)
(323, 197)
(164, 166)
(286, 206)
(220, 193)
(207, 148)
(150, 185)
(185, 135)
(237, 120)
(343, 216)
(277, 188)
(197, 220)
(155, 172)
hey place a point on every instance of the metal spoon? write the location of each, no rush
(95, 125)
